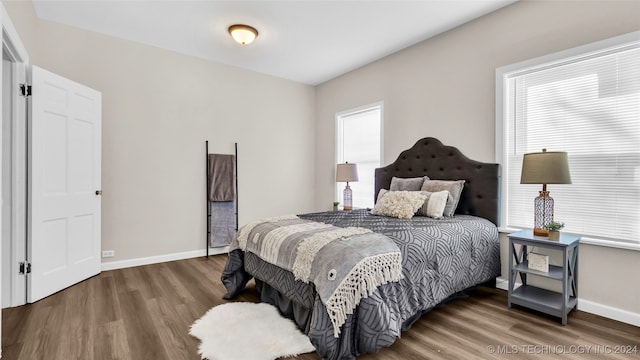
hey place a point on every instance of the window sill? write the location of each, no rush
(590, 241)
(609, 243)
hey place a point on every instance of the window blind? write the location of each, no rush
(588, 106)
(359, 141)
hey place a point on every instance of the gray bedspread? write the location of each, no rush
(439, 259)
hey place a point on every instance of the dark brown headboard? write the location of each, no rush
(439, 162)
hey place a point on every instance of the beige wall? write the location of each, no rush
(159, 107)
(445, 87)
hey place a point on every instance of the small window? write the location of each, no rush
(358, 140)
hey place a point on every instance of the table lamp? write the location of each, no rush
(546, 167)
(344, 173)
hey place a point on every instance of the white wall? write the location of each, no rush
(444, 87)
(159, 107)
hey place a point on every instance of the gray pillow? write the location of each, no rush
(407, 184)
(454, 187)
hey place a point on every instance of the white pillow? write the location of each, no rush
(454, 187)
(399, 204)
(434, 204)
(381, 194)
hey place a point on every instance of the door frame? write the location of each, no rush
(14, 47)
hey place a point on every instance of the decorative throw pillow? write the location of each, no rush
(453, 187)
(434, 204)
(381, 194)
(407, 184)
(399, 204)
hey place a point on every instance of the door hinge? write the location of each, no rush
(25, 90)
(25, 268)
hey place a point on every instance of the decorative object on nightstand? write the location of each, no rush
(546, 167)
(554, 229)
(524, 263)
(335, 205)
(539, 262)
(344, 173)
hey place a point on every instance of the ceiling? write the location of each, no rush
(304, 41)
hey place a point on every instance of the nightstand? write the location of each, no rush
(546, 301)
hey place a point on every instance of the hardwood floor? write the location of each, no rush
(145, 313)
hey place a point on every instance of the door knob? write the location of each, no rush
(98, 192)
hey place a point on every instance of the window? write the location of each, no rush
(584, 101)
(358, 140)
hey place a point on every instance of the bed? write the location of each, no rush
(440, 258)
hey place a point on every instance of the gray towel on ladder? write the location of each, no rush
(221, 177)
(223, 223)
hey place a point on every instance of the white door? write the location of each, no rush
(64, 183)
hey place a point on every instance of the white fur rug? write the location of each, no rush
(248, 331)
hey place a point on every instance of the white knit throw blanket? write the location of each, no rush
(344, 264)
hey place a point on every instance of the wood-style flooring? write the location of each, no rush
(145, 313)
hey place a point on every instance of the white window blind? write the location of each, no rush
(358, 134)
(588, 106)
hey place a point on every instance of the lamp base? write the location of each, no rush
(541, 232)
(347, 197)
(543, 212)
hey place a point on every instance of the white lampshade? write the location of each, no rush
(346, 172)
(243, 34)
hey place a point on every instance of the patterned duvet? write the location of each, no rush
(439, 259)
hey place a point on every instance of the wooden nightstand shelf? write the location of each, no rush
(546, 301)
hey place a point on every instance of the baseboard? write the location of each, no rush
(113, 265)
(591, 307)
(502, 283)
(219, 250)
(609, 312)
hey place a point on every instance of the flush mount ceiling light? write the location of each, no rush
(243, 34)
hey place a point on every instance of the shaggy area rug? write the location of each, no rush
(248, 331)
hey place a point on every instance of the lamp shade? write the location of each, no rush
(546, 167)
(346, 172)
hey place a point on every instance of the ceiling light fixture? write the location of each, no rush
(243, 34)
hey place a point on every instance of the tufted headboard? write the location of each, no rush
(439, 162)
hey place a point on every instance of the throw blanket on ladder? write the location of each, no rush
(344, 264)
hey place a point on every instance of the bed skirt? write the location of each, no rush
(298, 305)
